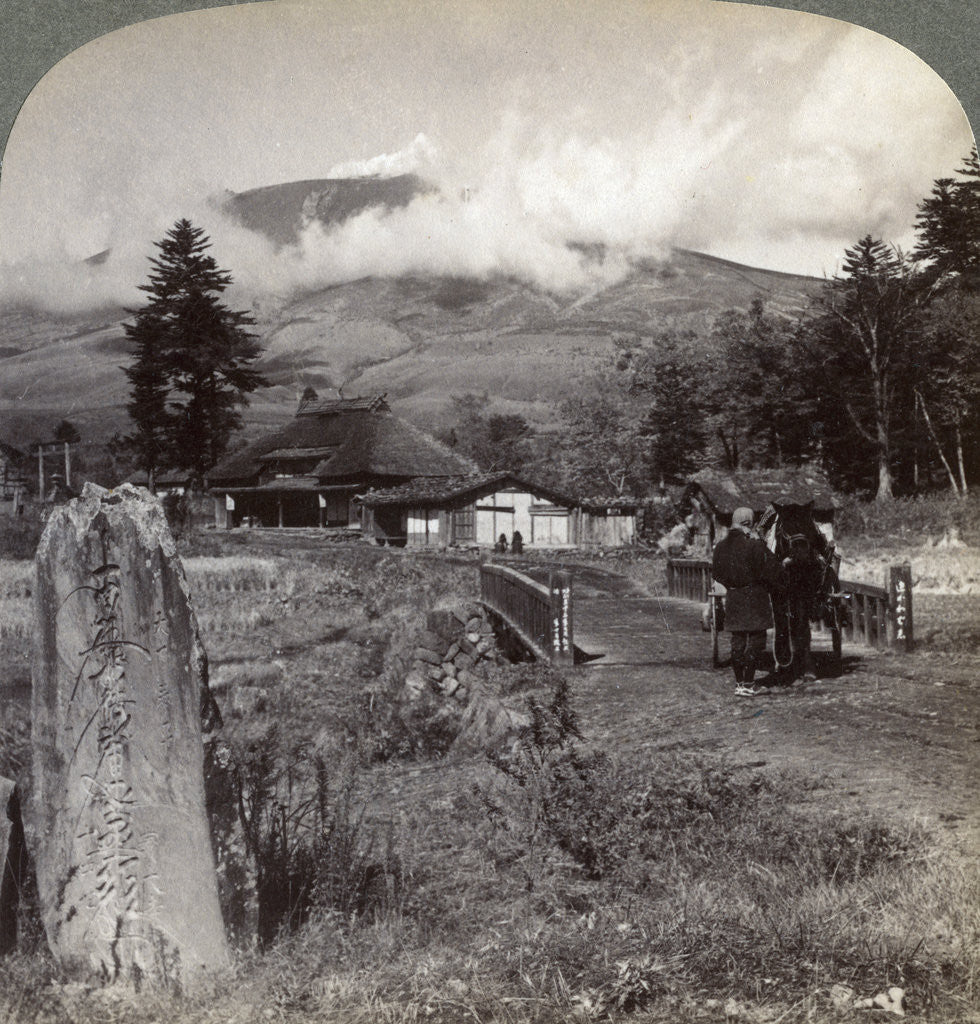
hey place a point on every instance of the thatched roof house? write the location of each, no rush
(711, 496)
(308, 472)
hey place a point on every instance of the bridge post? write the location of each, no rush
(560, 588)
(900, 606)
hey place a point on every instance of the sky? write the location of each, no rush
(774, 138)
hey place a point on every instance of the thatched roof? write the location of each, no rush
(755, 489)
(351, 439)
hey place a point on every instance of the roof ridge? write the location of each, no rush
(330, 406)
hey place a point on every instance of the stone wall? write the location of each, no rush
(452, 652)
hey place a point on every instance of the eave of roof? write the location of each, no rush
(333, 406)
(297, 453)
(430, 491)
(287, 484)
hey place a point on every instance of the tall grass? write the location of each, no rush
(16, 584)
(19, 536)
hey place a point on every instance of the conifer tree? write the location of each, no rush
(150, 441)
(192, 368)
(862, 348)
(948, 226)
(948, 397)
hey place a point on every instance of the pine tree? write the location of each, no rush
(667, 378)
(757, 398)
(66, 431)
(948, 226)
(949, 246)
(150, 442)
(192, 369)
(862, 350)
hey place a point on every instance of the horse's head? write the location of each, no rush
(795, 534)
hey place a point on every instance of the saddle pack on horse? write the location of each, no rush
(809, 582)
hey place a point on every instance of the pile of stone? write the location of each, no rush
(456, 645)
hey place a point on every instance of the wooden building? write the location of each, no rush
(13, 479)
(711, 497)
(476, 510)
(309, 471)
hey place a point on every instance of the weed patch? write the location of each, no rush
(559, 880)
(717, 872)
(19, 536)
(301, 828)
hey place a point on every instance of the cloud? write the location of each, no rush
(71, 285)
(756, 162)
(413, 158)
(514, 212)
(564, 213)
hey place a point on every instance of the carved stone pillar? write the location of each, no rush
(125, 871)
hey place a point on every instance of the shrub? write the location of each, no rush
(677, 817)
(910, 519)
(508, 678)
(388, 727)
(301, 830)
(657, 519)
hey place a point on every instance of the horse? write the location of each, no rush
(809, 578)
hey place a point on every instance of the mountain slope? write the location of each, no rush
(280, 212)
(420, 339)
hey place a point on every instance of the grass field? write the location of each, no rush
(578, 877)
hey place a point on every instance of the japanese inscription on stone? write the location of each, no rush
(125, 872)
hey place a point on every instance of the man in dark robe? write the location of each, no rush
(748, 570)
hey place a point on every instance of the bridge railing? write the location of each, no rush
(689, 578)
(541, 615)
(872, 615)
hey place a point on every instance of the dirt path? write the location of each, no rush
(895, 733)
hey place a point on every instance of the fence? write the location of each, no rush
(540, 615)
(689, 578)
(875, 616)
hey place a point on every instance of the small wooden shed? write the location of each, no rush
(711, 496)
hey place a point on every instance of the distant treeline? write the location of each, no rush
(878, 381)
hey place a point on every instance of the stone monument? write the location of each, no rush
(125, 871)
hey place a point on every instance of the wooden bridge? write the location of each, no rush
(542, 614)
(875, 616)
(539, 614)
